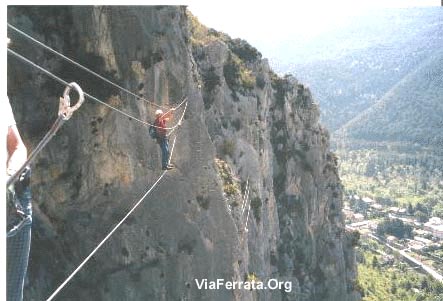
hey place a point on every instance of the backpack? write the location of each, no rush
(153, 132)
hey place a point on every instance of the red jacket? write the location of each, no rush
(161, 123)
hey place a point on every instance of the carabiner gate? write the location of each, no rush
(65, 110)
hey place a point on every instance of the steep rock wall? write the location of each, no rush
(264, 129)
(297, 227)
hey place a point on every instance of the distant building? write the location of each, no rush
(377, 206)
(418, 224)
(397, 210)
(372, 225)
(406, 220)
(415, 244)
(435, 226)
(422, 232)
(388, 260)
(425, 241)
(359, 225)
(368, 200)
(391, 239)
(358, 217)
(435, 221)
(437, 231)
(349, 215)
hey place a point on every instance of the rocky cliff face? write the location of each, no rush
(246, 129)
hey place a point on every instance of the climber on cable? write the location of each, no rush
(19, 215)
(162, 137)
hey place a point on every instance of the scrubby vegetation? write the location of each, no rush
(237, 75)
(399, 176)
(231, 186)
(394, 227)
(237, 71)
(256, 204)
(228, 148)
(203, 202)
(243, 50)
(210, 81)
(200, 34)
(281, 86)
(381, 276)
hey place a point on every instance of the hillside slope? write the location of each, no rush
(410, 112)
(245, 124)
(351, 67)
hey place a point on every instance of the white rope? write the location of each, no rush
(61, 286)
(55, 77)
(245, 198)
(247, 217)
(249, 209)
(180, 120)
(172, 150)
(38, 67)
(83, 67)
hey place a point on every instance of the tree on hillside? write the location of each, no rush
(421, 207)
(421, 217)
(375, 262)
(438, 210)
(395, 227)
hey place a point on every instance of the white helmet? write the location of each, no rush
(158, 112)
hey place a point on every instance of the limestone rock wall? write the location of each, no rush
(244, 124)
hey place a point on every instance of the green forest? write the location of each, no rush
(384, 277)
(400, 178)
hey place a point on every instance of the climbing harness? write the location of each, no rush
(18, 215)
(65, 111)
(22, 215)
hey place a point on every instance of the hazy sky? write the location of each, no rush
(257, 21)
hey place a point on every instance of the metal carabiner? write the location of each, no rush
(65, 110)
(64, 113)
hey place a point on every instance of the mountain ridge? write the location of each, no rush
(406, 128)
(353, 78)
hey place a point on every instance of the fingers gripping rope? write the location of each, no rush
(64, 113)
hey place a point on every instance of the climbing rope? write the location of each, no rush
(245, 197)
(181, 118)
(82, 67)
(12, 52)
(247, 204)
(61, 286)
(65, 112)
(247, 217)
